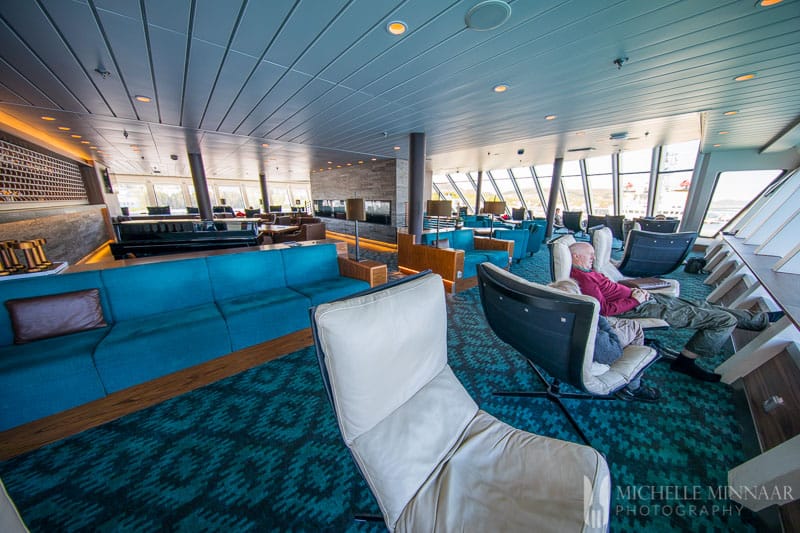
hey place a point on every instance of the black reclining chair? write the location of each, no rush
(657, 225)
(655, 254)
(555, 331)
(573, 222)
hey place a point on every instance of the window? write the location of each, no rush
(232, 194)
(280, 196)
(133, 196)
(527, 187)
(601, 191)
(447, 192)
(545, 175)
(733, 191)
(170, 194)
(467, 189)
(674, 178)
(503, 182)
(253, 197)
(634, 182)
(300, 193)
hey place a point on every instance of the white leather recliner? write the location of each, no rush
(10, 521)
(432, 458)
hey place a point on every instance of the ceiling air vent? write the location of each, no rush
(619, 136)
(584, 149)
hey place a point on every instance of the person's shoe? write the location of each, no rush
(644, 393)
(774, 316)
(688, 366)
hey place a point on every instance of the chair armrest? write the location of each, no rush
(372, 272)
(485, 243)
(447, 262)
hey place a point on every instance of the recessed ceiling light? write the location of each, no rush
(723, 133)
(374, 159)
(64, 128)
(338, 166)
(330, 162)
(265, 145)
(47, 118)
(730, 113)
(349, 164)
(360, 162)
(767, 3)
(330, 168)
(75, 136)
(550, 117)
(321, 169)
(396, 27)
(84, 142)
(717, 145)
(396, 148)
(500, 88)
(142, 98)
(745, 77)
(93, 147)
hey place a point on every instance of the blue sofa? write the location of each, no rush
(161, 317)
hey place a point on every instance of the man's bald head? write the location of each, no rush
(582, 255)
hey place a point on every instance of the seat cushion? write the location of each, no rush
(234, 275)
(307, 264)
(326, 290)
(503, 479)
(472, 260)
(262, 316)
(45, 377)
(141, 349)
(634, 360)
(496, 257)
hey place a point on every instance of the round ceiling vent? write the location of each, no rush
(487, 15)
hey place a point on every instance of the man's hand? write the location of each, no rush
(640, 295)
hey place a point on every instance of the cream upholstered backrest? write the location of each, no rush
(602, 240)
(399, 406)
(10, 521)
(560, 257)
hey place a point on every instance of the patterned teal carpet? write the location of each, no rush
(260, 451)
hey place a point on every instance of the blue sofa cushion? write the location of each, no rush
(330, 289)
(463, 239)
(520, 238)
(429, 239)
(144, 290)
(45, 377)
(471, 262)
(496, 257)
(307, 264)
(262, 316)
(45, 285)
(145, 348)
(234, 275)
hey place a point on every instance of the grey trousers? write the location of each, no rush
(714, 324)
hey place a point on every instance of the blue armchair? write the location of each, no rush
(520, 238)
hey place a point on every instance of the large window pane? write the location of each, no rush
(634, 194)
(253, 197)
(602, 194)
(570, 168)
(300, 197)
(170, 194)
(279, 196)
(638, 161)
(527, 187)
(598, 165)
(232, 195)
(680, 156)
(133, 196)
(671, 193)
(573, 190)
(467, 189)
(732, 192)
(447, 192)
(503, 182)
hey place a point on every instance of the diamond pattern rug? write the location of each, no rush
(260, 451)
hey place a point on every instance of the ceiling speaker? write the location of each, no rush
(487, 15)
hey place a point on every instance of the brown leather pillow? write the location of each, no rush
(43, 317)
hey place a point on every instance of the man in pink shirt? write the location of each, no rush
(713, 324)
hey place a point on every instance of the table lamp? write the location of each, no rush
(493, 208)
(439, 208)
(355, 210)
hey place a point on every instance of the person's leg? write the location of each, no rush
(628, 331)
(712, 325)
